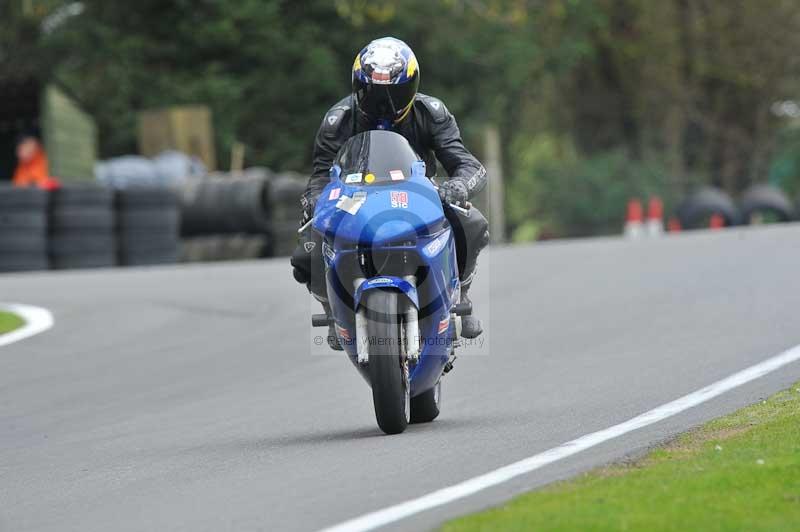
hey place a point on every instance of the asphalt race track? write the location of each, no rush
(187, 398)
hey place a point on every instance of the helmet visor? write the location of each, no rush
(384, 102)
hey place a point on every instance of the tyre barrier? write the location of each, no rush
(254, 214)
(285, 191)
(23, 229)
(256, 203)
(695, 210)
(148, 226)
(223, 247)
(82, 227)
(225, 205)
(765, 199)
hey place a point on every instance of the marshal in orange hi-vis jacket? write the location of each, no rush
(32, 169)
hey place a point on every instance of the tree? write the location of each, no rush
(682, 88)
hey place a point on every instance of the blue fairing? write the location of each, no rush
(401, 219)
(377, 222)
(434, 298)
(387, 281)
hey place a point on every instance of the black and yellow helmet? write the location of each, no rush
(385, 82)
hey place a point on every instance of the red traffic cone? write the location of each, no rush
(655, 217)
(716, 222)
(674, 225)
(633, 220)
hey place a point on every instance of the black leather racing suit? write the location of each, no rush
(433, 133)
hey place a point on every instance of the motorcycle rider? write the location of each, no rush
(384, 95)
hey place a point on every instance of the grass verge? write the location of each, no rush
(9, 322)
(738, 472)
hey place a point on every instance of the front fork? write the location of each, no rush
(410, 327)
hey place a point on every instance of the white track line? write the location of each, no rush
(469, 487)
(37, 320)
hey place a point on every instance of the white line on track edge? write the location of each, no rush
(471, 486)
(37, 320)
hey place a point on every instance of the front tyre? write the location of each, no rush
(388, 370)
(425, 406)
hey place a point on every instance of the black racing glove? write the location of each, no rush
(308, 202)
(453, 191)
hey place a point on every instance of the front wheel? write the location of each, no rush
(388, 370)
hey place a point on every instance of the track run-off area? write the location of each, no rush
(192, 397)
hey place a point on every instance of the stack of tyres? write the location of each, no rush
(148, 221)
(253, 203)
(226, 205)
(766, 200)
(284, 200)
(23, 229)
(694, 211)
(82, 227)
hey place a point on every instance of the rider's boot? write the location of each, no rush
(473, 230)
(470, 324)
(333, 340)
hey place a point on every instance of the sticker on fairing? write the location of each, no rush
(444, 325)
(399, 199)
(349, 205)
(397, 175)
(353, 178)
(334, 194)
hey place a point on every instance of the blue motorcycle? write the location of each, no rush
(391, 275)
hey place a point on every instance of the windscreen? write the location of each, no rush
(385, 155)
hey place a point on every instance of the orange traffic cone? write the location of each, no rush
(716, 222)
(674, 225)
(655, 217)
(633, 220)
